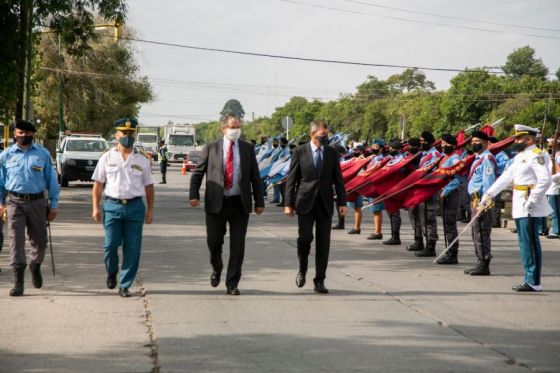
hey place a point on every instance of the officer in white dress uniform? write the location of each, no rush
(530, 176)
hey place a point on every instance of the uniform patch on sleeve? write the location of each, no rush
(37, 168)
(488, 171)
(540, 160)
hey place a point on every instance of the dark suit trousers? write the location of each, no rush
(234, 214)
(322, 221)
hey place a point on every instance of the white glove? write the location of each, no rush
(485, 203)
(529, 205)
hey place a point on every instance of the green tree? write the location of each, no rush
(73, 20)
(410, 79)
(233, 107)
(102, 85)
(522, 61)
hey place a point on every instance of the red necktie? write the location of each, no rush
(228, 178)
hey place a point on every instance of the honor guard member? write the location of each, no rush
(553, 192)
(26, 171)
(481, 176)
(530, 176)
(127, 176)
(397, 156)
(376, 209)
(428, 209)
(414, 212)
(450, 199)
(163, 160)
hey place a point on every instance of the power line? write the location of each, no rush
(340, 62)
(412, 11)
(417, 20)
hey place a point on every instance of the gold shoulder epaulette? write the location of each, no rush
(537, 150)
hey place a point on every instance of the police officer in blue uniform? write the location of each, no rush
(127, 176)
(26, 171)
(481, 176)
(450, 199)
(428, 209)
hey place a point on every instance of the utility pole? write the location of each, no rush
(60, 93)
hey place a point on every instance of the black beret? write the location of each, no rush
(25, 126)
(479, 134)
(415, 141)
(395, 144)
(283, 140)
(493, 139)
(428, 137)
(450, 139)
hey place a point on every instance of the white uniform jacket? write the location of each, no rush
(529, 171)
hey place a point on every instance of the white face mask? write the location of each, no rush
(233, 134)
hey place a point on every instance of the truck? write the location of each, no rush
(149, 138)
(180, 141)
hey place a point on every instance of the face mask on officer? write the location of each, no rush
(233, 134)
(447, 149)
(323, 140)
(477, 147)
(425, 146)
(519, 146)
(283, 146)
(24, 140)
(127, 141)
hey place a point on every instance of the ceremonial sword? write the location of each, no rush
(478, 212)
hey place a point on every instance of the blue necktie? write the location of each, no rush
(318, 161)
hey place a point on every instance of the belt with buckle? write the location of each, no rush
(123, 201)
(28, 197)
(524, 188)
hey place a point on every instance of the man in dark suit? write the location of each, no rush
(309, 190)
(232, 178)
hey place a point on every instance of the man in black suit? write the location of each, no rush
(232, 178)
(314, 170)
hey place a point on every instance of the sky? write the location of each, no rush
(191, 86)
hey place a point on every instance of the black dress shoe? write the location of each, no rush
(392, 241)
(36, 277)
(123, 292)
(524, 287)
(281, 205)
(354, 231)
(425, 253)
(374, 236)
(320, 288)
(233, 291)
(215, 279)
(112, 280)
(300, 280)
(338, 226)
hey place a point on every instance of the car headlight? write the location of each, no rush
(70, 162)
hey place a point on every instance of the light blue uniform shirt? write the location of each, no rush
(484, 175)
(28, 171)
(428, 157)
(457, 179)
(502, 160)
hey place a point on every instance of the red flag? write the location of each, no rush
(423, 183)
(487, 129)
(350, 172)
(386, 177)
(358, 180)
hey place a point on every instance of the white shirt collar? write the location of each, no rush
(315, 147)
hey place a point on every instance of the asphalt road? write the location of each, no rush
(387, 310)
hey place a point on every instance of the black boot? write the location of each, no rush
(430, 250)
(340, 224)
(469, 270)
(418, 245)
(483, 268)
(394, 240)
(449, 258)
(36, 277)
(19, 273)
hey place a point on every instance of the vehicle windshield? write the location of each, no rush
(147, 137)
(86, 146)
(181, 140)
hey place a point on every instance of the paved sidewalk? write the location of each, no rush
(387, 311)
